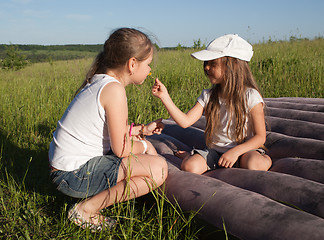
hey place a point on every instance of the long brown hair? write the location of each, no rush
(123, 44)
(237, 78)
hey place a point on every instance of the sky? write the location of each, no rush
(168, 22)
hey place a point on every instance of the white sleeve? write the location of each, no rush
(204, 97)
(253, 98)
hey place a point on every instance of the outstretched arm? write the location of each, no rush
(184, 120)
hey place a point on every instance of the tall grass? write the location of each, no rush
(293, 69)
(33, 99)
(282, 69)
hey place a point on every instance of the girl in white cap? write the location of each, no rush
(235, 127)
(95, 154)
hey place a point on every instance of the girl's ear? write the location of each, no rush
(131, 65)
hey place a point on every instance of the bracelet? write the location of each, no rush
(141, 132)
(130, 129)
(145, 145)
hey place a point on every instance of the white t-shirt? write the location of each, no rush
(82, 132)
(221, 141)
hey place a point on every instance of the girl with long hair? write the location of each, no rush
(96, 155)
(234, 109)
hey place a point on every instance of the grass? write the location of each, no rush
(293, 69)
(34, 98)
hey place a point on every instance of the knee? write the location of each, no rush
(266, 163)
(255, 161)
(191, 166)
(159, 170)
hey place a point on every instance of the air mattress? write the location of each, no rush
(286, 202)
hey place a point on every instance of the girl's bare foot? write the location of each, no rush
(182, 154)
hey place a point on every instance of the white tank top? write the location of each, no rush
(82, 132)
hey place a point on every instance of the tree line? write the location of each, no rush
(17, 56)
(71, 47)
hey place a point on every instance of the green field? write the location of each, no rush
(34, 98)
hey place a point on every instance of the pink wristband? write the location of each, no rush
(130, 129)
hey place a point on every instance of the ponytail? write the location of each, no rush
(92, 71)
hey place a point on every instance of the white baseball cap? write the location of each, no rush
(230, 45)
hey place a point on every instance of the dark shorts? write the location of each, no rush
(212, 157)
(98, 174)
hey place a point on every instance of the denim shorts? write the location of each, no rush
(212, 157)
(98, 174)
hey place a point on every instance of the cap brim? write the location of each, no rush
(206, 55)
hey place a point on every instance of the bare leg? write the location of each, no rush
(194, 164)
(144, 173)
(255, 161)
(151, 149)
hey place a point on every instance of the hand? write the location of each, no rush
(158, 89)
(154, 127)
(228, 158)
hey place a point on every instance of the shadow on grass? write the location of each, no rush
(29, 168)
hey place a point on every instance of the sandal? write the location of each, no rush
(76, 217)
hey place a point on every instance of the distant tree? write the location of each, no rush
(14, 59)
(197, 44)
(179, 46)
